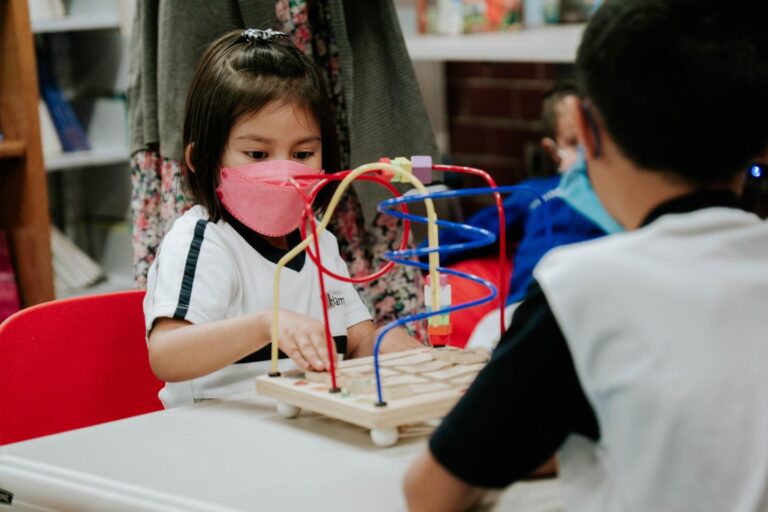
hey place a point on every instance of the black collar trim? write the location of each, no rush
(266, 249)
(692, 202)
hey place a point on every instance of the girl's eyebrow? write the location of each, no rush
(259, 138)
(254, 137)
(311, 138)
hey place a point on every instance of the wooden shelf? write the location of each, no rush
(12, 148)
(80, 159)
(23, 184)
(77, 22)
(554, 43)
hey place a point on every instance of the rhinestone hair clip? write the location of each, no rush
(254, 34)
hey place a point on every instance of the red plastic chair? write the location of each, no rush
(463, 290)
(73, 363)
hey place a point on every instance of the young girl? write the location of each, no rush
(257, 112)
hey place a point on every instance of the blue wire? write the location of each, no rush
(478, 238)
(388, 207)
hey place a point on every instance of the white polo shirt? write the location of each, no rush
(207, 271)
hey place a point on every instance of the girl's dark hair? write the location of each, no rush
(238, 75)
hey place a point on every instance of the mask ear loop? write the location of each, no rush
(592, 126)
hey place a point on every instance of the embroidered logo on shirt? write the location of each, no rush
(335, 299)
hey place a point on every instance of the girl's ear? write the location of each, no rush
(188, 156)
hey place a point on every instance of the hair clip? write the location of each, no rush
(254, 34)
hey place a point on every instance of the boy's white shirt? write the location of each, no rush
(232, 279)
(667, 327)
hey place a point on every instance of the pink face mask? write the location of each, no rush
(261, 196)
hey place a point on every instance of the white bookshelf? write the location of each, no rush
(108, 134)
(115, 263)
(78, 22)
(553, 44)
(81, 159)
(88, 49)
(113, 283)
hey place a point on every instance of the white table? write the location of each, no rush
(233, 454)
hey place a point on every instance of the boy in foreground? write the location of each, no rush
(640, 358)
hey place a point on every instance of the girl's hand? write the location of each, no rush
(398, 339)
(303, 339)
(362, 337)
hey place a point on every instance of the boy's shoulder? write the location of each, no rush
(669, 240)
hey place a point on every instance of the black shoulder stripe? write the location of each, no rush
(185, 294)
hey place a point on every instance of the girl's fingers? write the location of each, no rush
(289, 345)
(309, 352)
(295, 354)
(319, 342)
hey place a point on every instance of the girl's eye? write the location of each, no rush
(303, 155)
(257, 155)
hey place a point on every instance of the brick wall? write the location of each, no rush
(494, 116)
(494, 121)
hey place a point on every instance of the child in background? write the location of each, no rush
(257, 114)
(526, 221)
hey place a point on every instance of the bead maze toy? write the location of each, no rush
(384, 392)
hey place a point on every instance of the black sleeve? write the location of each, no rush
(521, 407)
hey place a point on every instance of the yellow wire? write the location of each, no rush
(434, 257)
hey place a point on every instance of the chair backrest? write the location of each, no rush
(73, 363)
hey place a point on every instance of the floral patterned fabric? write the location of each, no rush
(295, 17)
(158, 198)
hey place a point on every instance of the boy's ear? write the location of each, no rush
(585, 131)
(550, 148)
(188, 156)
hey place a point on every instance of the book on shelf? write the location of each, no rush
(51, 142)
(9, 291)
(454, 17)
(71, 134)
(46, 10)
(73, 270)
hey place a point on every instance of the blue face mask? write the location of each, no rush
(576, 190)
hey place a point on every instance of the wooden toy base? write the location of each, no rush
(417, 385)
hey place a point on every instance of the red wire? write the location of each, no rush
(403, 244)
(328, 336)
(317, 257)
(323, 297)
(502, 234)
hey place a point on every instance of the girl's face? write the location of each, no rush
(279, 131)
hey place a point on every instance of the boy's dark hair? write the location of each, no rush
(681, 85)
(552, 99)
(238, 76)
